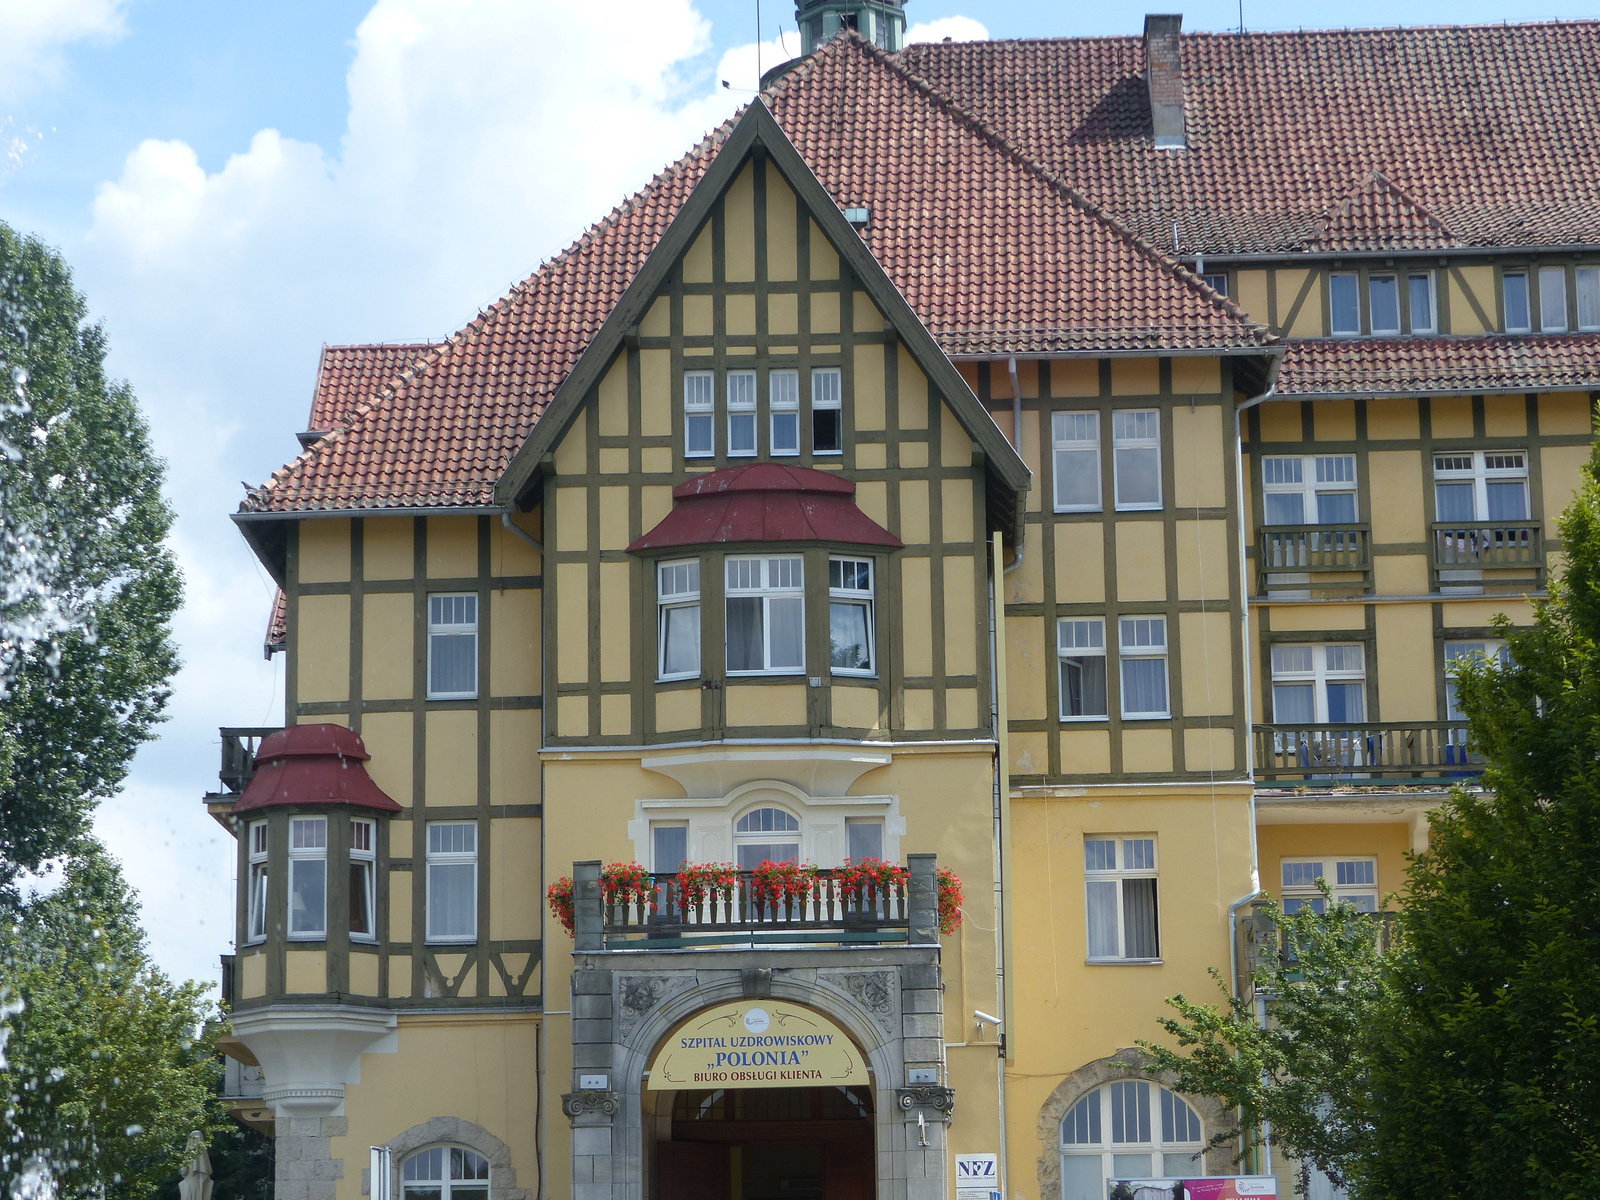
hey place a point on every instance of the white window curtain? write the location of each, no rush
(452, 881)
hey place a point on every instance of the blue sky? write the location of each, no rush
(237, 183)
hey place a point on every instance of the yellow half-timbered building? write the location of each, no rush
(777, 702)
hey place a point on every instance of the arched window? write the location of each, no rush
(766, 833)
(1128, 1130)
(445, 1173)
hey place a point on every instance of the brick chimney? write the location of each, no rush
(1164, 77)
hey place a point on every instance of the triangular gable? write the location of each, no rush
(1377, 215)
(757, 128)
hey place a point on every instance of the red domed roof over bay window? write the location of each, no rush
(312, 764)
(766, 502)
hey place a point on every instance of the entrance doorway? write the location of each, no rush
(766, 1144)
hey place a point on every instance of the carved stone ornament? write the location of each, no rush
(874, 991)
(941, 1099)
(575, 1104)
(638, 994)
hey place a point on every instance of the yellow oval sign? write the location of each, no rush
(756, 1044)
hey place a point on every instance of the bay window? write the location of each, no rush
(308, 877)
(1120, 887)
(678, 633)
(766, 610)
(256, 900)
(363, 892)
(850, 625)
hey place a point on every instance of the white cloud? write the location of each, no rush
(34, 34)
(953, 29)
(480, 140)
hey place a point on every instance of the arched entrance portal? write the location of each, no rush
(767, 1144)
(759, 1100)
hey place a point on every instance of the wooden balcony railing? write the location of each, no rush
(239, 748)
(1256, 931)
(1488, 546)
(1315, 549)
(1422, 749)
(747, 912)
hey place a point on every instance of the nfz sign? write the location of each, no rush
(977, 1177)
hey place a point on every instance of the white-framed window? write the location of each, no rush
(1344, 304)
(1142, 644)
(363, 880)
(783, 399)
(1301, 489)
(1421, 287)
(766, 835)
(445, 1173)
(1120, 897)
(1217, 283)
(1081, 650)
(308, 877)
(827, 411)
(766, 616)
(452, 881)
(1136, 458)
(699, 414)
(850, 625)
(1383, 303)
(1075, 437)
(1480, 485)
(1514, 285)
(1355, 881)
(453, 647)
(1319, 684)
(1457, 653)
(1553, 299)
(678, 632)
(1130, 1129)
(863, 838)
(1588, 298)
(741, 414)
(669, 845)
(256, 900)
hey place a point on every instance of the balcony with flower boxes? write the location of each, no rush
(625, 907)
(1392, 752)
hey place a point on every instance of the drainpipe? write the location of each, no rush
(1002, 780)
(505, 519)
(1250, 766)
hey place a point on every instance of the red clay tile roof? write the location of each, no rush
(1494, 130)
(993, 253)
(277, 626)
(347, 375)
(1415, 365)
(765, 502)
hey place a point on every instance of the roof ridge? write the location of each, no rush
(994, 138)
(436, 350)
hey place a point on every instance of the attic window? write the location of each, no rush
(859, 216)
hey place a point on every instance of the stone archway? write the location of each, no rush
(1130, 1063)
(453, 1131)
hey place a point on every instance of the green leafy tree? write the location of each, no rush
(1302, 1071)
(107, 1064)
(1486, 1076)
(87, 585)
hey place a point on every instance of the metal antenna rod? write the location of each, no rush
(758, 43)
